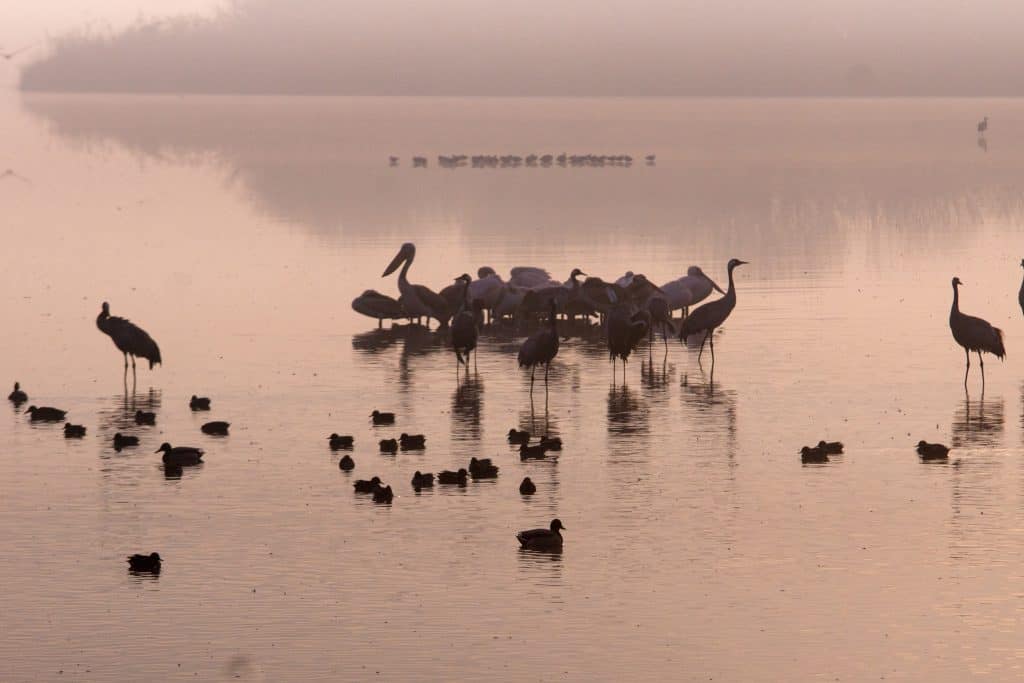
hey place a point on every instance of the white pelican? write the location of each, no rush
(417, 300)
(690, 289)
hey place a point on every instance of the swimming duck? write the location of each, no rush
(449, 477)
(366, 485)
(528, 452)
(143, 417)
(199, 403)
(346, 463)
(17, 396)
(542, 539)
(73, 431)
(551, 443)
(180, 455)
(932, 451)
(383, 494)
(516, 437)
(337, 442)
(216, 428)
(422, 480)
(122, 441)
(482, 468)
(145, 563)
(527, 487)
(380, 418)
(45, 414)
(812, 455)
(831, 447)
(388, 445)
(412, 441)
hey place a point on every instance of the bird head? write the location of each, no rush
(695, 271)
(956, 282)
(485, 271)
(164, 448)
(464, 278)
(31, 409)
(18, 386)
(556, 524)
(922, 443)
(735, 262)
(155, 557)
(576, 272)
(406, 253)
(106, 308)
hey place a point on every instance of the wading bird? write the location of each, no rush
(129, 338)
(624, 330)
(711, 315)
(974, 334)
(417, 300)
(689, 290)
(541, 347)
(463, 330)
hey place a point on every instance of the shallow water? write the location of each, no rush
(237, 230)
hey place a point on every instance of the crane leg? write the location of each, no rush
(699, 353)
(546, 366)
(711, 336)
(532, 370)
(967, 354)
(981, 362)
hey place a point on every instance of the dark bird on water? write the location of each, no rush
(129, 338)
(412, 441)
(45, 414)
(422, 480)
(932, 451)
(73, 431)
(482, 468)
(366, 485)
(380, 418)
(527, 487)
(449, 477)
(463, 331)
(710, 316)
(145, 563)
(180, 455)
(389, 445)
(540, 348)
(199, 403)
(974, 334)
(831, 447)
(18, 396)
(542, 539)
(1020, 298)
(143, 417)
(124, 441)
(528, 452)
(346, 463)
(338, 442)
(216, 428)
(813, 455)
(551, 443)
(383, 494)
(517, 437)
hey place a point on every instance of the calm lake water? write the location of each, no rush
(237, 231)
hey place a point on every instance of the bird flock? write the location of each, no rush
(528, 161)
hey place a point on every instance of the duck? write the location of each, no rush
(45, 414)
(383, 494)
(180, 455)
(422, 480)
(449, 477)
(123, 441)
(199, 403)
(528, 452)
(143, 417)
(216, 428)
(412, 441)
(73, 431)
(17, 396)
(542, 539)
(346, 463)
(145, 563)
(482, 468)
(388, 445)
(831, 447)
(527, 487)
(932, 451)
(552, 443)
(812, 455)
(366, 485)
(338, 442)
(517, 437)
(380, 418)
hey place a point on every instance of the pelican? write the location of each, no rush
(373, 304)
(488, 288)
(418, 301)
(530, 277)
(626, 280)
(690, 289)
(974, 334)
(711, 315)
(509, 301)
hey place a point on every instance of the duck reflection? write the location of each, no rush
(118, 411)
(978, 423)
(541, 566)
(467, 407)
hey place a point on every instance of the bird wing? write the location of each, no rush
(131, 338)
(434, 301)
(529, 276)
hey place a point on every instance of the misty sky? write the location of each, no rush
(913, 47)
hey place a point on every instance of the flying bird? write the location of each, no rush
(129, 338)
(974, 334)
(711, 315)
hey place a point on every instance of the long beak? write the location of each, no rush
(158, 450)
(659, 289)
(715, 285)
(27, 412)
(397, 261)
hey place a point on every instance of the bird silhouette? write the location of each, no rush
(549, 539)
(1020, 294)
(540, 348)
(711, 315)
(463, 330)
(974, 334)
(129, 338)
(17, 397)
(417, 300)
(983, 126)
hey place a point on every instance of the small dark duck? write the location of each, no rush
(380, 418)
(542, 539)
(199, 403)
(366, 485)
(410, 442)
(422, 481)
(527, 488)
(73, 431)
(551, 443)
(932, 451)
(482, 468)
(517, 437)
(810, 455)
(123, 441)
(449, 477)
(143, 417)
(831, 447)
(528, 452)
(17, 396)
(145, 563)
(389, 445)
(339, 442)
(216, 428)
(180, 455)
(383, 494)
(346, 463)
(45, 414)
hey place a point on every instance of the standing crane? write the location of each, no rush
(625, 328)
(974, 334)
(983, 126)
(129, 338)
(541, 347)
(463, 331)
(711, 315)
(417, 300)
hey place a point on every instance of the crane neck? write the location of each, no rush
(732, 285)
(956, 299)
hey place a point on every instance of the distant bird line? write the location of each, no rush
(452, 161)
